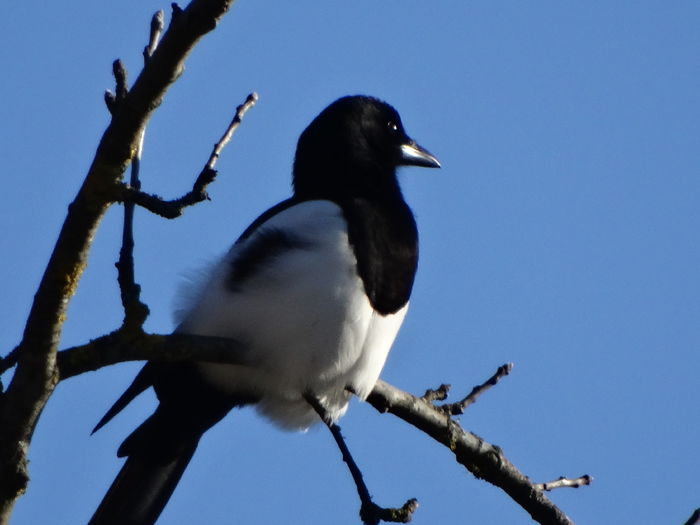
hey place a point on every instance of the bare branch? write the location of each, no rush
(455, 409)
(565, 482)
(36, 373)
(241, 110)
(135, 311)
(171, 209)
(122, 345)
(403, 514)
(482, 459)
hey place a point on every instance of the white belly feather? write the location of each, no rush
(304, 318)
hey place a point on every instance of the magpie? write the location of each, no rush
(313, 292)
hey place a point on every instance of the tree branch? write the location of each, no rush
(458, 408)
(122, 345)
(171, 209)
(482, 459)
(36, 373)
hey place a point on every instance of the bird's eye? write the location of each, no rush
(392, 126)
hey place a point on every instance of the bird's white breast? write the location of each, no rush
(303, 318)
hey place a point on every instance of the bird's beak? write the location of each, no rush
(414, 155)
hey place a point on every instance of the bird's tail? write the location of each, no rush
(157, 454)
(159, 450)
(141, 489)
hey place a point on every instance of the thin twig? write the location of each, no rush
(171, 209)
(565, 482)
(135, 311)
(241, 110)
(455, 409)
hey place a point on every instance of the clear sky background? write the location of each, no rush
(561, 234)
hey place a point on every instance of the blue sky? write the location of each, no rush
(561, 234)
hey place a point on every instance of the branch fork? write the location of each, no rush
(171, 209)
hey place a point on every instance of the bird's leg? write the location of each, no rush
(368, 511)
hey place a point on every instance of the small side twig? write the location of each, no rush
(9, 360)
(241, 110)
(114, 100)
(565, 482)
(458, 408)
(370, 512)
(438, 394)
(135, 311)
(171, 209)
(157, 24)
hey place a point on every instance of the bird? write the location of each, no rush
(313, 292)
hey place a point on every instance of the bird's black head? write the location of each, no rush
(352, 148)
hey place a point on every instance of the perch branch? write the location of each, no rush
(482, 459)
(121, 346)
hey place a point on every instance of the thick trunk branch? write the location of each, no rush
(36, 373)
